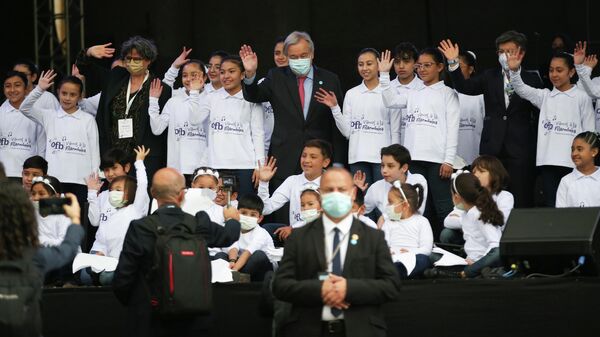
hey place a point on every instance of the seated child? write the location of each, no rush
(250, 254)
(35, 166)
(358, 209)
(222, 191)
(406, 231)
(310, 210)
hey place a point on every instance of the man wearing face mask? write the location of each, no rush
(336, 271)
(137, 257)
(122, 116)
(298, 116)
(510, 122)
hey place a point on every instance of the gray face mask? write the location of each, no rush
(503, 60)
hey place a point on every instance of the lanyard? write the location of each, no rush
(337, 249)
(129, 102)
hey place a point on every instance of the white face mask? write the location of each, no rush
(248, 222)
(300, 67)
(309, 215)
(36, 205)
(115, 198)
(391, 213)
(503, 60)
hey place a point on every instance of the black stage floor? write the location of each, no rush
(483, 308)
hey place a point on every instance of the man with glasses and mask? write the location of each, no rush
(510, 122)
(336, 271)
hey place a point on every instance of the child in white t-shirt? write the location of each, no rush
(581, 187)
(358, 208)
(472, 112)
(310, 208)
(251, 253)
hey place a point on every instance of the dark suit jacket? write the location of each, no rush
(280, 87)
(372, 279)
(115, 80)
(515, 127)
(137, 257)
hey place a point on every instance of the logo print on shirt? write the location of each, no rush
(421, 118)
(559, 127)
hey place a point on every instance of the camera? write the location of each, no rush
(50, 206)
(229, 183)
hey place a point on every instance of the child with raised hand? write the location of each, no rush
(580, 188)
(406, 231)
(173, 72)
(432, 124)
(565, 112)
(72, 149)
(481, 224)
(584, 66)
(250, 254)
(395, 160)
(130, 199)
(186, 141)
(364, 120)
(316, 157)
(493, 177)
(114, 163)
(472, 113)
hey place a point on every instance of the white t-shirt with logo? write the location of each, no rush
(472, 112)
(404, 89)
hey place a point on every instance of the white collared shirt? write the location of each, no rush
(236, 138)
(52, 229)
(432, 120)
(99, 209)
(367, 123)
(344, 235)
(20, 138)
(254, 240)
(416, 83)
(289, 190)
(479, 237)
(413, 233)
(186, 142)
(72, 148)
(377, 194)
(472, 113)
(563, 115)
(579, 190)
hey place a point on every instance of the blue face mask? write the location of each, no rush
(300, 67)
(336, 204)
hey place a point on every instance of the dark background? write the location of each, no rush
(339, 28)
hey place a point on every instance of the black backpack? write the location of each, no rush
(20, 296)
(180, 278)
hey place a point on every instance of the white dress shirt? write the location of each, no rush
(72, 149)
(367, 123)
(579, 190)
(563, 115)
(344, 235)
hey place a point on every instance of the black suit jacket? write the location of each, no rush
(137, 257)
(515, 127)
(280, 88)
(372, 279)
(114, 81)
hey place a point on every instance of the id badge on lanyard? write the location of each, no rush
(125, 125)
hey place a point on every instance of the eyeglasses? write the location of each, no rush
(426, 65)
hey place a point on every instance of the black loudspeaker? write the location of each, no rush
(552, 240)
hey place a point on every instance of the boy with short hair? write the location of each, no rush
(358, 208)
(250, 254)
(394, 166)
(35, 166)
(113, 163)
(315, 158)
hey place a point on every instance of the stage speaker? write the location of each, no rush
(551, 240)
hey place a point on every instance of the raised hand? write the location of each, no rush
(249, 59)
(197, 84)
(46, 79)
(360, 180)
(101, 51)
(267, 171)
(386, 62)
(141, 152)
(450, 50)
(579, 52)
(182, 58)
(591, 61)
(93, 182)
(326, 97)
(514, 59)
(156, 88)
(75, 72)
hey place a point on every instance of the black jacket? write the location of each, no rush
(372, 279)
(280, 87)
(137, 258)
(515, 127)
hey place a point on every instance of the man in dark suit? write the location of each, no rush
(137, 257)
(336, 271)
(298, 115)
(510, 123)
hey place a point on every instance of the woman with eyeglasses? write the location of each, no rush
(432, 123)
(122, 116)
